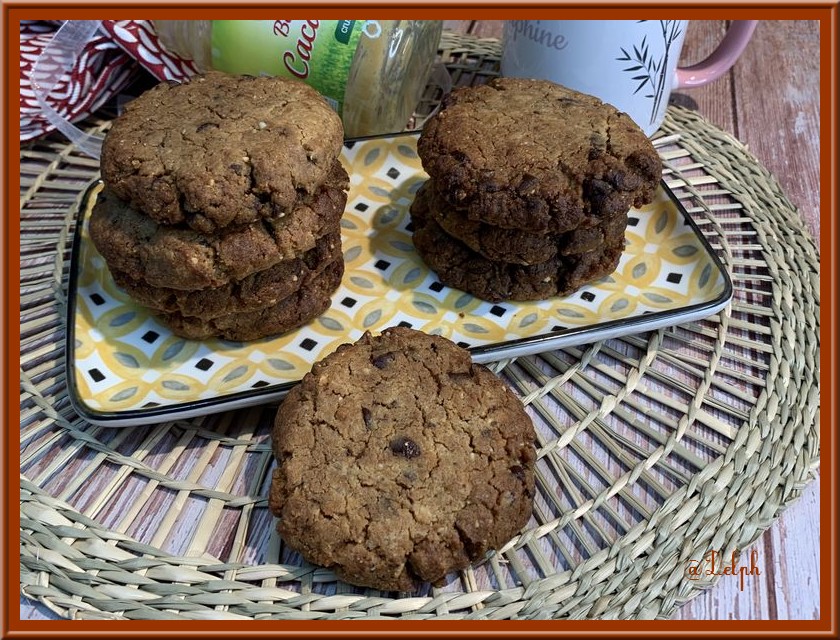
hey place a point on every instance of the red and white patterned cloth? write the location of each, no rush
(138, 38)
(106, 64)
(101, 70)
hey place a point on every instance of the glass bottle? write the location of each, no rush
(373, 72)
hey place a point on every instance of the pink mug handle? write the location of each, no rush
(721, 59)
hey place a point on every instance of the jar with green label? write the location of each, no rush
(372, 72)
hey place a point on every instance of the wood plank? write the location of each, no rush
(796, 540)
(714, 101)
(778, 108)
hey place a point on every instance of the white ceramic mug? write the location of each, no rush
(631, 64)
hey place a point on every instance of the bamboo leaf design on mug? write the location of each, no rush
(654, 70)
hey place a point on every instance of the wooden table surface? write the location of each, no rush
(769, 101)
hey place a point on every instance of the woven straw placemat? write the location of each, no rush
(653, 449)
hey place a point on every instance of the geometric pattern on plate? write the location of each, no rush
(126, 360)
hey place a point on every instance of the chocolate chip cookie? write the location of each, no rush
(513, 245)
(458, 266)
(292, 312)
(534, 155)
(399, 461)
(257, 291)
(221, 149)
(179, 257)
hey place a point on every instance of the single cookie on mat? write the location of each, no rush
(458, 266)
(181, 258)
(534, 155)
(512, 245)
(399, 460)
(221, 149)
(292, 312)
(257, 291)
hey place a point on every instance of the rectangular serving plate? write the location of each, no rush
(128, 369)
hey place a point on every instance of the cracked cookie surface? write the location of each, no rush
(399, 460)
(534, 155)
(179, 257)
(221, 149)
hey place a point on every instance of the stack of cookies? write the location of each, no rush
(222, 203)
(530, 185)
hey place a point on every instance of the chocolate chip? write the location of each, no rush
(236, 168)
(518, 473)
(406, 447)
(382, 361)
(596, 188)
(366, 416)
(205, 126)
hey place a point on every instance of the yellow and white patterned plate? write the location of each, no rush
(127, 369)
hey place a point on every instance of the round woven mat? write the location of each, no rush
(653, 449)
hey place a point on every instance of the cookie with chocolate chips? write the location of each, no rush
(399, 460)
(534, 155)
(221, 149)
